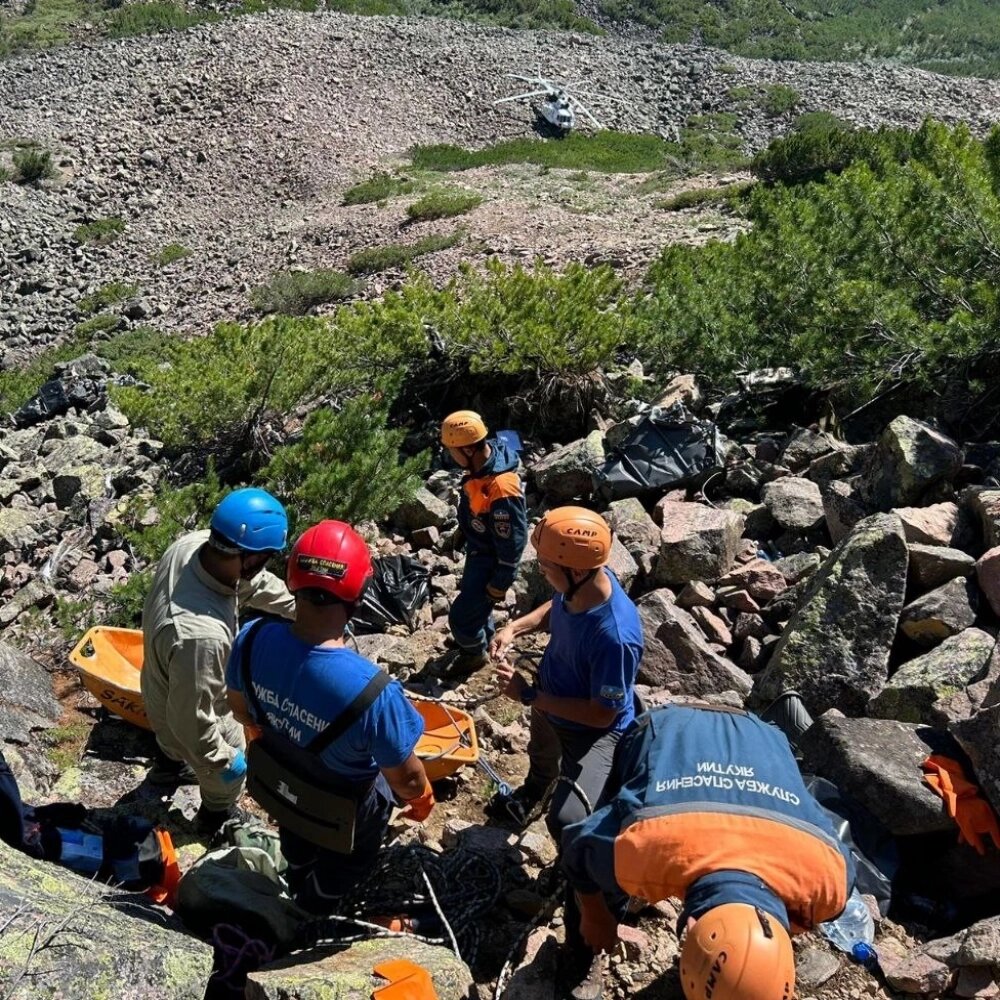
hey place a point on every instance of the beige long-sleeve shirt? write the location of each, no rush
(189, 621)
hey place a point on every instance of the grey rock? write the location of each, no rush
(567, 474)
(695, 594)
(696, 543)
(936, 524)
(978, 738)
(27, 701)
(949, 668)
(423, 511)
(72, 452)
(347, 974)
(932, 565)
(79, 484)
(814, 966)
(637, 531)
(98, 947)
(835, 649)
(803, 446)
(21, 530)
(975, 947)
(842, 509)
(985, 507)
(677, 656)
(798, 566)
(876, 762)
(941, 612)
(909, 458)
(795, 504)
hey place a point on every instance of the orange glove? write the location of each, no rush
(407, 981)
(419, 809)
(963, 801)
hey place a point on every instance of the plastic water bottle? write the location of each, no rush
(853, 932)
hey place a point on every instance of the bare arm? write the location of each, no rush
(408, 780)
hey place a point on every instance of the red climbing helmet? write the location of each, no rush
(330, 556)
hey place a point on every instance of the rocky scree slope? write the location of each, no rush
(237, 139)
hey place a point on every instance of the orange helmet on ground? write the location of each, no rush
(462, 429)
(573, 537)
(737, 952)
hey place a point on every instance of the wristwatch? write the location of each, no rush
(528, 694)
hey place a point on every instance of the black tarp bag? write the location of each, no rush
(399, 588)
(667, 449)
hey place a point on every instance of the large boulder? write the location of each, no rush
(348, 974)
(842, 509)
(638, 532)
(988, 577)
(912, 691)
(835, 648)
(975, 947)
(677, 656)
(876, 762)
(910, 457)
(21, 530)
(940, 613)
(804, 446)
(60, 938)
(423, 510)
(937, 524)
(978, 738)
(985, 507)
(696, 543)
(932, 565)
(567, 474)
(795, 504)
(26, 698)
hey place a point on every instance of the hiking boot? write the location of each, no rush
(582, 974)
(171, 773)
(212, 820)
(460, 663)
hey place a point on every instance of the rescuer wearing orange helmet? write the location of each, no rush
(493, 519)
(707, 804)
(584, 699)
(338, 734)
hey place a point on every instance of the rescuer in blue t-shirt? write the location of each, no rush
(303, 679)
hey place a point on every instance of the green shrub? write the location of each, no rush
(702, 197)
(398, 255)
(779, 100)
(18, 385)
(125, 601)
(151, 17)
(100, 231)
(346, 466)
(111, 294)
(101, 323)
(380, 187)
(5, 175)
(170, 254)
(32, 166)
(294, 293)
(442, 205)
(40, 24)
(605, 152)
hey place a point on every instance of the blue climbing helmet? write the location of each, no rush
(251, 520)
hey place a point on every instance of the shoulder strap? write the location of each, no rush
(351, 714)
(246, 649)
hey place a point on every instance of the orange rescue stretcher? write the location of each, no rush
(110, 659)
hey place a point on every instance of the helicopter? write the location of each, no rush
(557, 107)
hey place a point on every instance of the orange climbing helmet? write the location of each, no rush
(573, 537)
(737, 952)
(462, 429)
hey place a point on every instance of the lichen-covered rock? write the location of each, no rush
(567, 474)
(795, 504)
(940, 613)
(835, 648)
(26, 698)
(842, 509)
(638, 532)
(423, 510)
(93, 950)
(349, 974)
(912, 691)
(909, 458)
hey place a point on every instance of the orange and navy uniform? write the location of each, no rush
(493, 516)
(702, 791)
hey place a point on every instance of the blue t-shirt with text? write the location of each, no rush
(301, 688)
(594, 654)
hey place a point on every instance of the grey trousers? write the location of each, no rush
(584, 756)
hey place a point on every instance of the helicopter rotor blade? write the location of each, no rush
(519, 97)
(583, 110)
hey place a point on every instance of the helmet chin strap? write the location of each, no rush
(575, 585)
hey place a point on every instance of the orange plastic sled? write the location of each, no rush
(109, 661)
(449, 741)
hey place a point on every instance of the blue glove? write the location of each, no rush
(236, 769)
